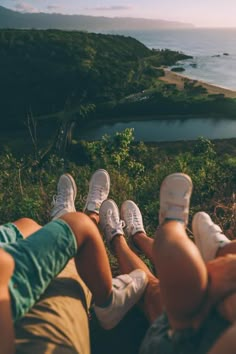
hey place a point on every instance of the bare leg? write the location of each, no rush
(93, 216)
(145, 244)
(226, 343)
(27, 226)
(182, 272)
(128, 261)
(6, 324)
(91, 261)
(227, 249)
(91, 254)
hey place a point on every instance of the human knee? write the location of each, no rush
(27, 223)
(82, 226)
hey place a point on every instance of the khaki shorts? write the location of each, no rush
(58, 322)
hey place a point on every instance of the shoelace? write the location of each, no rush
(60, 199)
(113, 222)
(133, 220)
(97, 193)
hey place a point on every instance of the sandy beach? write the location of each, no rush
(178, 79)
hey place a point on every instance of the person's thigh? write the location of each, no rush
(38, 259)
(58, 322)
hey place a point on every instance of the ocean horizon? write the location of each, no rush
(213, 51)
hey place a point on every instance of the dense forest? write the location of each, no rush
(69, 76)
(45, 72)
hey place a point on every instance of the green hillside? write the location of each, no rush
(45, 72)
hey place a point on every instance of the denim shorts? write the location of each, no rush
(38, 259)
(159, 340)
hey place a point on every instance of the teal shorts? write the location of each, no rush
(187, 341)
(38, 260)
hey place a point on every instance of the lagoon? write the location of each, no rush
(166, 129)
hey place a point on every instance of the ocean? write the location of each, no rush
(213, 51)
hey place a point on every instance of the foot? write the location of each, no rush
(110, 222)
(127, 289)
(175, 193)
(64, 201)
(99, 187)
(208, 236)
(132, 217)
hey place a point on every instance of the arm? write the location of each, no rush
(6, 323)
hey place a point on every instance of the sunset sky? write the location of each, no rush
(201, 13)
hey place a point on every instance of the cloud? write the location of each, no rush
(53, 7)
(25, 7)
(112, 8)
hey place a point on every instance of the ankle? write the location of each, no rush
(105, 303)
(93, 216)
(117, 240)
(136, 237)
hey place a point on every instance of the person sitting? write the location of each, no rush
(31, 256)
(187, 304)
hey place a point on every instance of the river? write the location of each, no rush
(166, 130)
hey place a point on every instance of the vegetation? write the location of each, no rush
(45, 72)
(85, 75)
(136, 171)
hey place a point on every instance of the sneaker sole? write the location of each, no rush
(171, 180)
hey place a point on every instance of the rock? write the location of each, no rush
(226, 54)
(193, 65)
(178, 69)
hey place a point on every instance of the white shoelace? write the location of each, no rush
(113, 223)
(97, 193)
(61, 199)
(133, 221)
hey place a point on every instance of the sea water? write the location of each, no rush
(213, 51)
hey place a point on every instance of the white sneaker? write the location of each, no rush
(132, 217)
(175, 193)
(208, 236)
(109, 220)
(99, 187)
(127, 289)
(64, 200)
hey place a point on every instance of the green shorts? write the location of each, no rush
(159, 340)
(38, 260)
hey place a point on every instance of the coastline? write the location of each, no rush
(178, 79)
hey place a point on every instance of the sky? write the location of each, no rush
(201, 13)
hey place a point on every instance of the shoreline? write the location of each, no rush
(178, 79)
